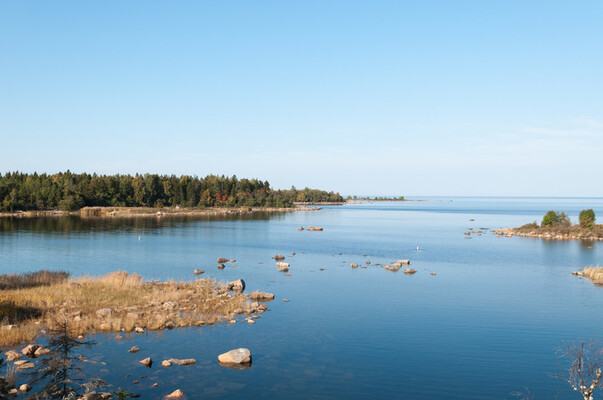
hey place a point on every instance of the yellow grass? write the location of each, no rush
(595, 274)
(133, 303)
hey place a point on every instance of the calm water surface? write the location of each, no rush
(486, 326)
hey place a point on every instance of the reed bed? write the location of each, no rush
(32, 279)
(118, 301)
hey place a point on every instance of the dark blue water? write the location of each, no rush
(486, 326)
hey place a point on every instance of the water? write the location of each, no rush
(486, 326)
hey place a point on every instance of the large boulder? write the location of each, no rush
(236, 356)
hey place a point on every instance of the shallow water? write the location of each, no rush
(486, 326)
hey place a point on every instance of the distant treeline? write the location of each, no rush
(69, 191)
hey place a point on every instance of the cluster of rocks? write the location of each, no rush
(30, 351)
(222, 261)
(395, 266)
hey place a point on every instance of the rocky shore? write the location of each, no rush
(551, 233)
(150, 212)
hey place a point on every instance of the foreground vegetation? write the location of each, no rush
(70, 192)
(115, 302)
(557, 225)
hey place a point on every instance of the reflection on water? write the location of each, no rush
(73, 224)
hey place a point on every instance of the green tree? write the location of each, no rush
(587, 218)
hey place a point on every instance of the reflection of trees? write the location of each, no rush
(60, 371)
(74, 224)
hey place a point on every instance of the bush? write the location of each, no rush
(587, 218)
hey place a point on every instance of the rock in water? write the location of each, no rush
(222, 260)
(236, 356)
(238, 285)
(30, 350)
(198, 271)
(147, 362)
(354, 265)
(410, 271)
(176, 394)
(134, 349)
(25, 387)
(12, 355)
(262, 296)
(279, 257)
(186, 361)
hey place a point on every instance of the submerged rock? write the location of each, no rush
(177, 361)
(236, 356)
(410, 271)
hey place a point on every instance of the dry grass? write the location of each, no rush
(32, 279)
(595, 274)
(132, 303)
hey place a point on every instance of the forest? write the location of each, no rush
(69, 191)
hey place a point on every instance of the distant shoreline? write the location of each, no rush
(148, 212)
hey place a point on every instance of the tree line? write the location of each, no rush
(70, 192)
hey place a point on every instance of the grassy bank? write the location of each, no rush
(115, 302)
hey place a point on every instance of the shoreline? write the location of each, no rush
(549, 233)
(148, 212)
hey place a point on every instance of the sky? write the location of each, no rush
(414, 98)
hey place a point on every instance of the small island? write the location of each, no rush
(556, 225)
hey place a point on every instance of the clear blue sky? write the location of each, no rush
(362, 97)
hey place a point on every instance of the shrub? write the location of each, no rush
(587, 218)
